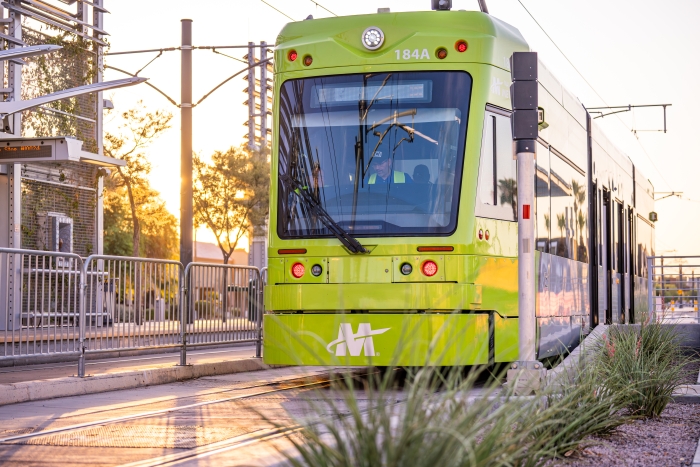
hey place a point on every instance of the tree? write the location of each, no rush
(159, 234)
(139, 128)
(508, 187)
(231, 194)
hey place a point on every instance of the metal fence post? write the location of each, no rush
(259, 312)
(81, 319)
(184, 305)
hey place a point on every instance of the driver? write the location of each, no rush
(383, 172)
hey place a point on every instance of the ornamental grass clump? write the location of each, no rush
(574, 408)
(646, 361)
(431, 421)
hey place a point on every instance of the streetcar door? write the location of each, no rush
(606, 276)
(632, 263)
(622, 261)
(615, 261)
(602, 265)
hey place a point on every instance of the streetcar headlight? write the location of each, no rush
(406, 269)
(372, 38)
(298, 270)
(316, 270)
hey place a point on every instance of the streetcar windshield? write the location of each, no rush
(380, 154)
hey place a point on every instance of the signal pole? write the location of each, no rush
(527, 373)
(186, 208)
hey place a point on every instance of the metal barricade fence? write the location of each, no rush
(40, 305)
(224, 305)
(59, 303)
(673, 285)
(130, 304)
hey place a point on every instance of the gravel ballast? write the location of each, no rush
(670, 440)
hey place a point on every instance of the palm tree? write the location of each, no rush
(508, 187)
(561, 223)
(581, 221)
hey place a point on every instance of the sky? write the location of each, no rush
(626, 52)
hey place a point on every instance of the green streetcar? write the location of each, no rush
(393, 230)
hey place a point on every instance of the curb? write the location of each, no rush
(687, 394)
(27, 391)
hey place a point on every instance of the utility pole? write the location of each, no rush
(250, 90)
(263, 98)
(527, 373)
(186, 210)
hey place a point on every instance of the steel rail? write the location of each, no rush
(218, 447)
(227, 445)
(151, 413)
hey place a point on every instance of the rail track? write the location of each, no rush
(228, 444)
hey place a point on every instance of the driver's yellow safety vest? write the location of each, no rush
(399, 177)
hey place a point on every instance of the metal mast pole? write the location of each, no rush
(525, 152)
(186, 211)
(527, 372)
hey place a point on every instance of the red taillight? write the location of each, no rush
(429, 268)
(308, 60)
(292, 55)
(298, 270)
(461, 46)
(481, 234)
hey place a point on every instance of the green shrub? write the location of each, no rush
(646, 361)
(457, 417)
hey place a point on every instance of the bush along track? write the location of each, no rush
(462, 417)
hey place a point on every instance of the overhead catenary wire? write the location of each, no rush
(323, 7)
(278, 10)
(594, 90)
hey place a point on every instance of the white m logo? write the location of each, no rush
(355, 342)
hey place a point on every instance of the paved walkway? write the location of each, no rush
(122, 364)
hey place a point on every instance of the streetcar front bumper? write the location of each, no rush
(384, 339)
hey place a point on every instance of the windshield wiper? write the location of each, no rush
(345, 238)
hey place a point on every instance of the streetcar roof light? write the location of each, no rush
(461, 46)
(372, 38)
(436, 248)
(293, 55)
(292, 251)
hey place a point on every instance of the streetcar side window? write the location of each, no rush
(569, 209)
(497, 170)
(543, 224)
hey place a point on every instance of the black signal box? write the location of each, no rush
(524, 95)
